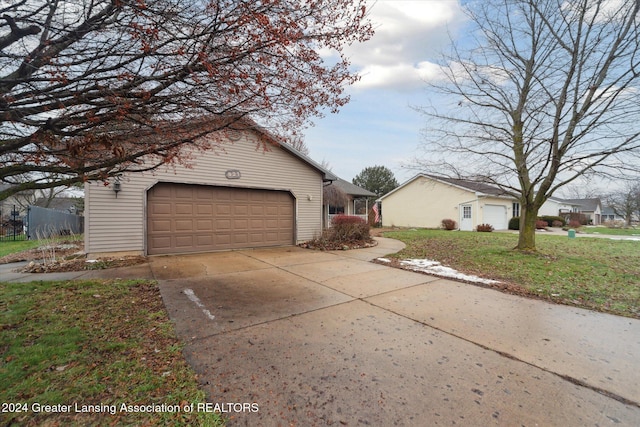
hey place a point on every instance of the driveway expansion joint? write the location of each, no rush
(564, 377)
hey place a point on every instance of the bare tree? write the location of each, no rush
(626, 202)
(89, 87)
(297, 142)
(546, 93)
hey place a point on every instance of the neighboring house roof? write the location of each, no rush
(480, 188)
(352, 189)
(608, 210)
(60, 203)
(587, 205)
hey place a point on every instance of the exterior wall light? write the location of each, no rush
(117, 186)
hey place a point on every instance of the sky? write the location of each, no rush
(380, 126)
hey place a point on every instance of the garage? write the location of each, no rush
(184, 218)
(496, 215)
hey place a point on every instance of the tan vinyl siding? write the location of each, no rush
(118, 224)
(424, 203)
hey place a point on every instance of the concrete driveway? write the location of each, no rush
(329, 338)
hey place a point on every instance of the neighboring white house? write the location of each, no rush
(609, 214)
(240, 197)
(555, 206)
(590, 208)
(425, 200)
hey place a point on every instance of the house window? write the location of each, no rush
(516, 209)
(466, 212)
(336, 210)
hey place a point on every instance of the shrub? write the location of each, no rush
(449, 224)
(549, 219)
(347, 228)
(575, 216)
(615, 224)
(574, 224)
(514, 223)
(541, 225)
(485, 228)
(557, 224)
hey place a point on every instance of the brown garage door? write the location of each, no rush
(193, 218)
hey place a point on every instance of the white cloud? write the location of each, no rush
(407, 33)
(398, 76)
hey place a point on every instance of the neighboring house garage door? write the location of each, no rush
(496, 215)
(193, 218)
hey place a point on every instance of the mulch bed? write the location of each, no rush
(69, 256)
(325, 245)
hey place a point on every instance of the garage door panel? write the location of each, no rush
(161, 192)
(162, 208)
(223, 224)
(202, 209)
(285, 223)
(223, 209)
(204, 225)
(160, 226)
(188, 218)
(496, 215)
(204, 240)
(204, 193)
(161, 242)
(184, 192)
(222, 239)
(240, 196)
(271, 210)
(184, 209)
(240, 224)
(240, 238)
(184, 225)
(184, 241)
(241, 210)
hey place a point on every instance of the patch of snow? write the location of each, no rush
(383, 259)
(434, 267)
(633, 239)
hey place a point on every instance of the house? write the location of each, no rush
(252, 193)
(425, 200)
(609, 214)
(10, 204)
(343, 197)
(555, 206)
(590, 208)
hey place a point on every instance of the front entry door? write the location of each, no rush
(466, 218)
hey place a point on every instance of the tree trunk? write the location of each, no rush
(527, 234)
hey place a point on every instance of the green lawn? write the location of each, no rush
(9, 246)
(599, 274)
(92, 343)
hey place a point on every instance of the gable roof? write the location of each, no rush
(216, 127)
(479, 188)
(327, 175)
(242, 122)
(589, 205)
(352, 189)
(60, 203)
